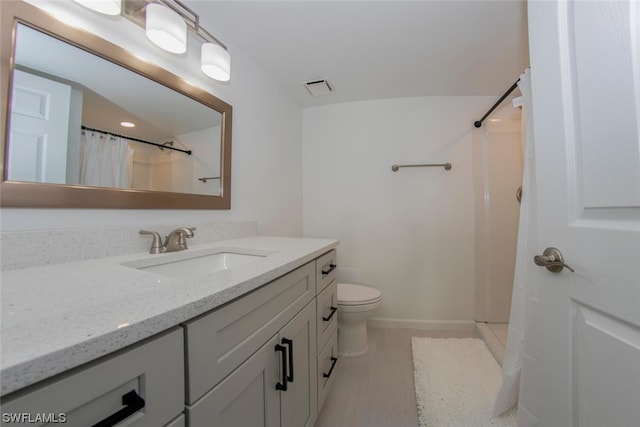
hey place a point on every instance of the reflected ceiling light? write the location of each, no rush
(127, 124)
(215, 62)
(166, 28)
(107, 7)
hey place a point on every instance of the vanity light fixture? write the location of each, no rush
(215, 62)
(165, 28)
(167, 23)
(107, 7)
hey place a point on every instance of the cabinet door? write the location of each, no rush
(247, 397)
(299, 403)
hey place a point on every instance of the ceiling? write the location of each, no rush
(377, 49)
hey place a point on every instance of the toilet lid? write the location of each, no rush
(352, 294)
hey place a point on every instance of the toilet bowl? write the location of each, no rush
(356, 303)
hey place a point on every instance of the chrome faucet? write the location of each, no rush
(175, 241)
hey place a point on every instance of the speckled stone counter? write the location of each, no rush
(57, 317)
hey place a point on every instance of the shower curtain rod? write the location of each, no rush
(162, 146)
(478, 123)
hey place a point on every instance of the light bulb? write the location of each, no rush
(215, 62)
(166, 28)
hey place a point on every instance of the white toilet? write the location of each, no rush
(356, 303)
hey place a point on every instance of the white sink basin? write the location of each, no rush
(202, 265)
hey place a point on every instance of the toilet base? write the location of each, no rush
(352, 339)
(348, 355)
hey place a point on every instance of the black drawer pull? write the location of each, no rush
(333, 311)
(283, 385)
(288, 342)
(334, 360)
(331, 268)
(133, 403)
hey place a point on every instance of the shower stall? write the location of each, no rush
(497, 166)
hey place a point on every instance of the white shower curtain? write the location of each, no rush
(526, 249)
(105, 160)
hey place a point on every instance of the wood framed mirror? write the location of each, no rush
(178, 156)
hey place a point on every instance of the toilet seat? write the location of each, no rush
(350, 294)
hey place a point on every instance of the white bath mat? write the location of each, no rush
(457, 381)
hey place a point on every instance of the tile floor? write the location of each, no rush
(377, 389)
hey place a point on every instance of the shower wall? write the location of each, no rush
(497, 164)
(166, 170)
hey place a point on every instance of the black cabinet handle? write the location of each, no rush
(334, 360)
(333, 311)
(331, 268)
(133, 403)
(289, 342)
(283, 385)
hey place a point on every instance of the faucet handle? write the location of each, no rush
(156, 243)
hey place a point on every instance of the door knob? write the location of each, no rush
(553, 260)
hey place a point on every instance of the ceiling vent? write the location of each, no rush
(318, 87)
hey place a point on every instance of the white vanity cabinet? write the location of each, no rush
(263, 358)
(326, 323)
(143, 386)
(253, 362)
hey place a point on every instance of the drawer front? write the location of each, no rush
(327, 313)
(221, 340)
(326, 266)
(327, 368)
(153, 369)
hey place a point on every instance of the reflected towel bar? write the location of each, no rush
(446, 166)
(207, 178)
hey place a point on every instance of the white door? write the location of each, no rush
(39, 129)
(585, 66)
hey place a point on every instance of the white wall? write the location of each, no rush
(408, 233)
(267, 132)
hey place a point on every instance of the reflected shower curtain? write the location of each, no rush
(105, 160)
(526, 249)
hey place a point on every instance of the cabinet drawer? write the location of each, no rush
(221, 340)
(326, 269)
(327, 313)
(153, 369)
(327, 367)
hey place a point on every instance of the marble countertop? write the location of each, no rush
(57, 317)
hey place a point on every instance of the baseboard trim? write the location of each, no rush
(457, 325)
(495, 346)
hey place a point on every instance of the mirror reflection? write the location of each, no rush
(78, 119)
